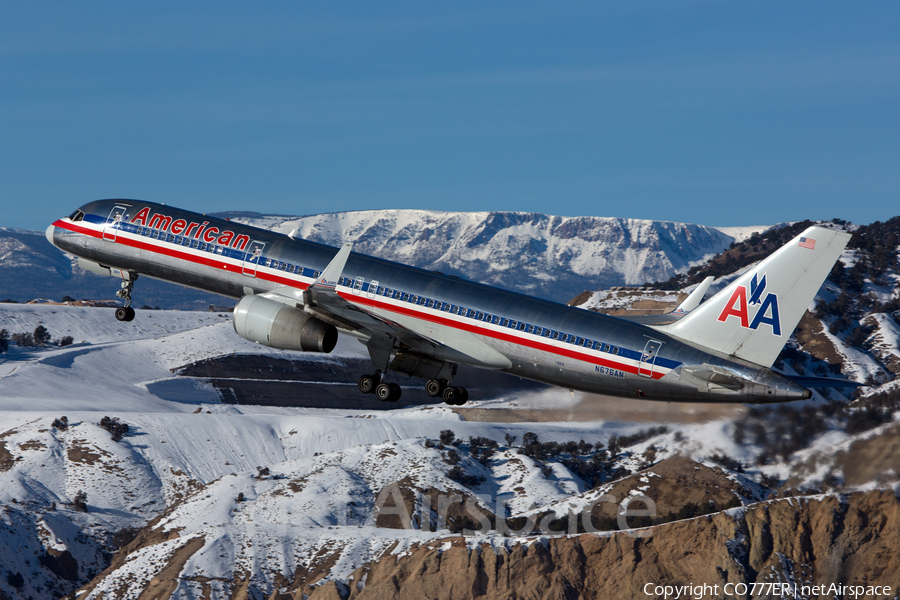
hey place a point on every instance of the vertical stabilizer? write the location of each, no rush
(754, 316)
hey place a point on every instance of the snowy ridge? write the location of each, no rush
(550, 256)
(191, 462)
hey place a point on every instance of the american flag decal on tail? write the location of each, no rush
(806, 242)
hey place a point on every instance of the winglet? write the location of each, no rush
(694, 299)
(332, 273)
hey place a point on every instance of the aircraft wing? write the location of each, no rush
(350, 312)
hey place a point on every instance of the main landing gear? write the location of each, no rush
(126, 313)
(373, 384)
(454, 396)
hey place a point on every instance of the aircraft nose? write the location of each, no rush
(49, 233)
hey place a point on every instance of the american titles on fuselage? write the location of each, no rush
(197, 231)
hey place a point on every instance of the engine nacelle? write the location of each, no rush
(277, 325)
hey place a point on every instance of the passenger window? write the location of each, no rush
(422, 300)
(480, 316)
(504, 323)
(555, 335)
(529, 329)
(431, 304)
(447, 307)
(496, 320)
(521, 326)
(538, 331)
(513, 324)
(615, 350)
(548, 332)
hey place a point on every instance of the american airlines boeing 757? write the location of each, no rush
(298, 295)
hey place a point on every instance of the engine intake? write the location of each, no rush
(277, 325)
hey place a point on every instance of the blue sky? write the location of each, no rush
(719, 113)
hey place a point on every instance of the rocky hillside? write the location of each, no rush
(807, 547)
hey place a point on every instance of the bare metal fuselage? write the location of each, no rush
(453, 320)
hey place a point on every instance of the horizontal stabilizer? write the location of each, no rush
(825, 382)
(693, 301)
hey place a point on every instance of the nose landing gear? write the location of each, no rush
(126, 313)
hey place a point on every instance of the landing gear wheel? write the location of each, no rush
(463, 396)
(435, 387)
(126, 313)
(388, 392)
(456, 396)
(366, 384)
(383, 392)
(396, 392)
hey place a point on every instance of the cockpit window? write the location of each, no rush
(76, 216)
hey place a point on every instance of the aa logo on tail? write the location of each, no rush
(766, 312)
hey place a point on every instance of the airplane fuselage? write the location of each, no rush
(454, 321)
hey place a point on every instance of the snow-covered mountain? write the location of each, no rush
(201, 498)
(548, 256)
